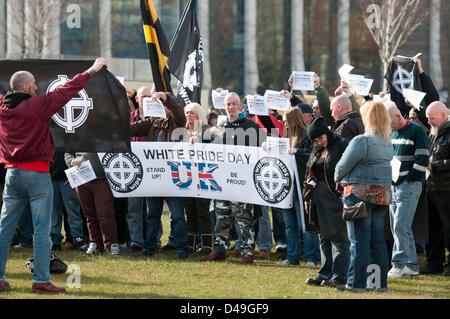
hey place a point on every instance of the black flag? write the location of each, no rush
(95, 120)
(186, 57)
(403, 74)
(158, 46)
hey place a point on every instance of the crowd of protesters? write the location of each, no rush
(343, 150)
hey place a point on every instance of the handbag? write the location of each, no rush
(359, 211)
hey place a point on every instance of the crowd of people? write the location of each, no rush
(344, 152)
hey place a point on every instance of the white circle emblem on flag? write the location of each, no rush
(402, 79)
(123, 171)
(70, 120)
(272, 180)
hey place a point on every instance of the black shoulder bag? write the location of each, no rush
(359, 211)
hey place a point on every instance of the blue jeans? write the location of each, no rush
(334, 259)
(264, 236)
(135, 220)
(367, 246)
(23, 187)
(292, 220)
(405, 198)
(65, 195)
(177, 223)
(25, 228)
(279, 229)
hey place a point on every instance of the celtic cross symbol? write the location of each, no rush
(272, 181)
(70, 121)
(122, 171)
(402, 80)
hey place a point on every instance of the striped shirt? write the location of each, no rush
(411, 148)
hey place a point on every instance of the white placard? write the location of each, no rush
(414, 97)
(344, 71)
(153, 108)
(212, 171)
(395, 164)
(378, 98)
(276, 146)
(80, 175)
(359, 84)
(219, 99)
(275, 101)
(221, 119)
(303, 81)
(257, 105)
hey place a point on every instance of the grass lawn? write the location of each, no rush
(162, 276)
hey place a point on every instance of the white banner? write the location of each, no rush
(214, 171)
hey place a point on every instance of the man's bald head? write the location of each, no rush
(23, 82)
(340, 106)
(437, 114)
(142, 93)
(397, 120)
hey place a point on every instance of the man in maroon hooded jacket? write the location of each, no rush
(26, 148)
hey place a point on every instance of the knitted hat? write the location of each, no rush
(305, 108)
(317, 128)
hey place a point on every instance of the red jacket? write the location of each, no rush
(24, 130)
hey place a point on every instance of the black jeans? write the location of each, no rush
(439, 223)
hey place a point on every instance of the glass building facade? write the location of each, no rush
(227, 38)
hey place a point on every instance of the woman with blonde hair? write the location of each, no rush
(197, 209)
(366, 175)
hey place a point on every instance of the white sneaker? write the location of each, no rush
(284, 263)
(396, 272)
(114, 249)
(92, 249)
(310, 264)
(408, 272)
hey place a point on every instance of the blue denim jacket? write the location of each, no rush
(351, 168)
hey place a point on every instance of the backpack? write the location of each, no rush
(57, 266)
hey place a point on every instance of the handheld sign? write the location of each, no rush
(80, 175)
(257, 105)
(303, 81)
(219, 99)
(153, 108)
(276, 101)
(414, 97)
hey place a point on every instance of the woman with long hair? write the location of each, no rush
(197, 209)
(366, 175)
(301, 147)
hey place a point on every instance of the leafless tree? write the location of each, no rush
(33, 27)
(392, 22)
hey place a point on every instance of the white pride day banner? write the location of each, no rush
(212, 171)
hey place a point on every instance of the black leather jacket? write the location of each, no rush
(439, 180)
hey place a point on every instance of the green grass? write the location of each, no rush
(162, 276)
